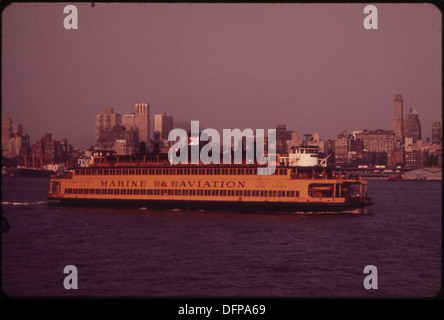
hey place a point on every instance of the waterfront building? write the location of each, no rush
(395, 158)
(412, 126)
(341, 148)
(416, 158)
(14, 142)
(377, 140)
(397, 122)
(424, 174)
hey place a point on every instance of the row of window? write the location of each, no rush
(179, 171)
(188, 192)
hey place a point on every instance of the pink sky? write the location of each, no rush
(311, 66)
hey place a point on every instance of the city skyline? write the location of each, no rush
(312, 67)
(152, 120)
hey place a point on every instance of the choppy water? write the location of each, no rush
(144, 253)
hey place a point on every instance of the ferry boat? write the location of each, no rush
(300, 183)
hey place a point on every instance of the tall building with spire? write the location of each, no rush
(397, 122)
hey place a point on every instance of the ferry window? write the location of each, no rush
(149, 191)
(81, 191)
(238, 193)
(231, 192)
(247, 193)
(137, 191)
(265, 193)
(143, 191)
(129, 191)
(86, 191)
(123, 191)
(185, 192)
(193, 192)
(207, 192)
(262, 193)
(177, 192)
(297, 193)
(215, 192)
(255, 171)
(199, 192)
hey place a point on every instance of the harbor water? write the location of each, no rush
(154, 253)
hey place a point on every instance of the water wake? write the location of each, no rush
(13, 203)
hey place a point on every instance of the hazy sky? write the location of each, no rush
(313, 67)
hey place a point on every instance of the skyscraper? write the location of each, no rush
(163, 124)
(436, 133)
(106, 121)
(142, 121)
(397, 122)
(412, 126)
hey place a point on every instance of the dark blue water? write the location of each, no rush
(143, 253)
